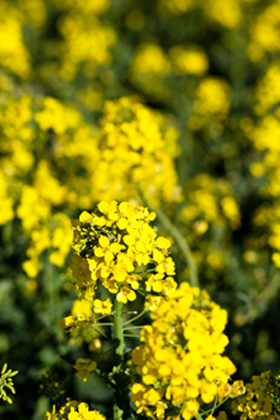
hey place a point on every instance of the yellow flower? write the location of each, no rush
(260, 400)
(180, 355)
(84, 368)
(102, 307)
(117, 253)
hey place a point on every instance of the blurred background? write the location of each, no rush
(180, 97)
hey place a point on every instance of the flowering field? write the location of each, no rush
(139, 209)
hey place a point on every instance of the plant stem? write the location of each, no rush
(136, 317)
(118, 334)
(118, 327)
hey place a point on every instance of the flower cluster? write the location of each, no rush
(137, 147)
(261, 400)
(140, 149)
(180, 359)
(73, 410)
(116, 246)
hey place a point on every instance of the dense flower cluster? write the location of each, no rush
(261, 400)
(33, 189)
(73, 410)
(137, 147)
(116, 246)
(180, 359)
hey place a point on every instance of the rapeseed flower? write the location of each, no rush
(180, 360)
(73, 410)
(116, 246)
(261, 400)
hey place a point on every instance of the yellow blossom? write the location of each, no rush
(180, 354)
(84, 368)
(117, 254)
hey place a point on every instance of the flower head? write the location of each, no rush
(180, 359)
(116, 246)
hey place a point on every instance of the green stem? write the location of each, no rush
(118, 327)
(211, 410)
(136, 317)
(118, 334)
(215, 405)
(136, 327)
(132, 335)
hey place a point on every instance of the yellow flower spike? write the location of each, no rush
(126, 243)
(180, 353)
